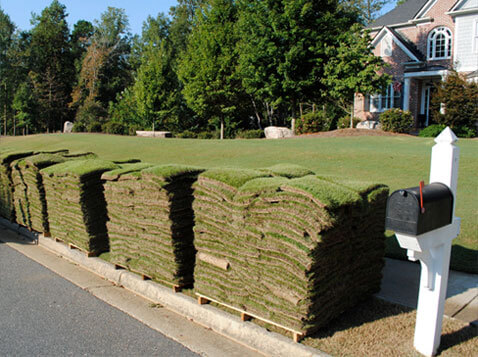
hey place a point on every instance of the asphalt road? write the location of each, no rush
(42, 314)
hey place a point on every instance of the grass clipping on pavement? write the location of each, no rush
(296, 251)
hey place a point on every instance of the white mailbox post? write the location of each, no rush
(433, 250)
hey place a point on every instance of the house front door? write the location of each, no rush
(427, 95)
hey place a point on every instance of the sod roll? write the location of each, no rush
(297, 251)
(29, 193)
(76, 203)
(151, 220)
(7, 206)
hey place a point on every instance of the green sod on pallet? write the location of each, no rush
(297, 252)
(29, 193)
(151, 220)
(76, 203)
(7, 206)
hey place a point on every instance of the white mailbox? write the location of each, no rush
(433, 249)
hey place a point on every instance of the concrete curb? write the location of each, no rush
(228, 325)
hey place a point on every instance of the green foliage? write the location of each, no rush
(353, 68)
(187, 134)
(208, 135)
(112, 127)
(52, 68)
(344, 122)
(312, 123)
(283, 51)
(397, 120)
(366, 10)
(212, 86)
(460, 100)
(90, 117)
(250, 134)
(432, 131)
(25, 106)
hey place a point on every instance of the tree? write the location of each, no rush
(367, 10)
(25, 106)
(283, 51)
(455, 104)
(157, 89)
(80, 37)
(52, 68)
(105, 70)
(212, 86)
(353, 68)
(7, 29)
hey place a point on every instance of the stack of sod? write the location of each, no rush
(151, 220)
(299, 251)
(76, 203)
(218, 220)
(29, 193)
(320, 247)
(7, 207)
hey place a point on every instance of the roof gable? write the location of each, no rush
(401, 42)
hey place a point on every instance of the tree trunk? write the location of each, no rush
(222, 129)
(257, 113)
(5, 122)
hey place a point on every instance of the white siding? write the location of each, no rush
(469, 4)
(466, 48)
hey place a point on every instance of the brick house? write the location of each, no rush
(421, 40)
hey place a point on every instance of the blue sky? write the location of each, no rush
(137, 10)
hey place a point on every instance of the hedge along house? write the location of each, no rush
(421, 40)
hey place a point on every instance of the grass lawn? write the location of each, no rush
(398, 161)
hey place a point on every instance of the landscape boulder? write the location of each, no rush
(369, 124)
(275, 132)
(68, 127)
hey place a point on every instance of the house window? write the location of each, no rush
(391, 97)
(439, 43)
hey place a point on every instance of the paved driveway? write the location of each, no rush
(43, 314)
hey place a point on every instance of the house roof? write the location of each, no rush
(401, 14)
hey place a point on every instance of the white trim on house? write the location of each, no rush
(379, 37)
(442, 73)
(425, 9)
(456, 6)
(462, 12)
(432, 42)
(475, 36)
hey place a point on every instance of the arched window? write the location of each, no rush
(439, 43)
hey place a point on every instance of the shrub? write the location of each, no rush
(432, 131)
(312, 123)
(132, 129)
(208, 135)
(344, 122)
(460, 100)
(187, 134)
(94, 127)
(78, 127)
(397, 120)
(114, 128)
(250, 134)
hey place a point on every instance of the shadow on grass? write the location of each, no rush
(460, 336)
(370, 310)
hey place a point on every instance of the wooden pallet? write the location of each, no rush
(247, 316)
(176, 288)
(75, 247)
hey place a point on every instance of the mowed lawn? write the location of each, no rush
(398, 161)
